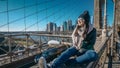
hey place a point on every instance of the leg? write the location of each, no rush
(87, 57)
(42, 63)
(64, 57)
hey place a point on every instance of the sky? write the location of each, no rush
(33, 15)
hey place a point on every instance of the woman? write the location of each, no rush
(84, 37)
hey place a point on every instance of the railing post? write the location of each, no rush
(10, 50)
(110, 53)
(40, 41)
(27, 44)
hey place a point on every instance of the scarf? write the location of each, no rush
(82, 32)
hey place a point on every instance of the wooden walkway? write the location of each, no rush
(97, 49)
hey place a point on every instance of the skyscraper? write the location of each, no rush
(61, 28)
(47, 27)
(54, 26)
(73, 27)
(50, 27)
(69, 25)
(64, 26)
(58, 29)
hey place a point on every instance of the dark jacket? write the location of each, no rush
(89, 41)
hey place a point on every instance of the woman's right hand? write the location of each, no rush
(76, 47)
(75, 41)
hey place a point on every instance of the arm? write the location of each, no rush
(93, 37)
(74, 38)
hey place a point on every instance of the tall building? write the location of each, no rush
(47, 27)
(61, 28)
(98, 14)
(54, 27)
(64, 26)
(58, 28)
(73, 27)
(50, 27)
(69, 25)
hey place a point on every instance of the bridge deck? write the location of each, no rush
(97, 48)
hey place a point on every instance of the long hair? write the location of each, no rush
(85, 15)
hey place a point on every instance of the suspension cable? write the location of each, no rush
(25, 15)
(73, 13)
(30, 14)
(7, 16)
(9, 38)
(63, 15)
(27, 6)
(37, 15)
(46, 12)
(46, 16)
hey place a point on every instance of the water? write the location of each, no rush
(43, 39)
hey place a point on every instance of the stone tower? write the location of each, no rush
(98, 14)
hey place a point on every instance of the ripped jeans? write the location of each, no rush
(88, 56)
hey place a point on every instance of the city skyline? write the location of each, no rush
(66, 26)
(57, 11)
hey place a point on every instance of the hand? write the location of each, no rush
(76, 47)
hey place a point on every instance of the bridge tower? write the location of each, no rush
(98, 14)
(117, 16)
(116, 25)
(114, 48)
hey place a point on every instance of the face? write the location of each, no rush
(81, 22)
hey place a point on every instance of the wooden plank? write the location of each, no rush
(18, 63)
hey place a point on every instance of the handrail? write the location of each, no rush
(31, 34)
(100, 51)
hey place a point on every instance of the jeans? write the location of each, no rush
(88, 56)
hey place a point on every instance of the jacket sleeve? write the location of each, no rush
(93, 38)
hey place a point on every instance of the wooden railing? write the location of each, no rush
(12, 56)
(103, 49)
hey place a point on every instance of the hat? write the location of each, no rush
(85, 15)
